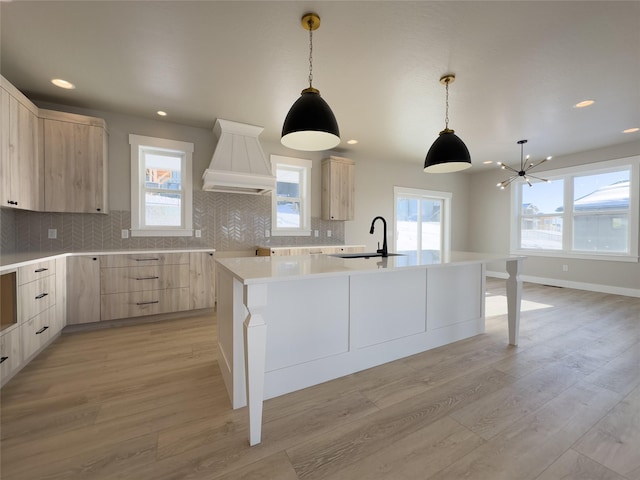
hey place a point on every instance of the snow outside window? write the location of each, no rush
(291, 202)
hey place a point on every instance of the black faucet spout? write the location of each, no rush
(384, 251)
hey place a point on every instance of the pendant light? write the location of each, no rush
(524, 170)
(448, 153)
(310, 124)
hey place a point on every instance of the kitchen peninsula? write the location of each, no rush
(286, 323)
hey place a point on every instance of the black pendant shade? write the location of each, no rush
(447, 154)
(310, 124)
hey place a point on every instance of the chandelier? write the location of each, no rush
(524, 169)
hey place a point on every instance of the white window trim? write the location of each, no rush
(587, 169)
(445, 215)
(137, 181)
(305, 198)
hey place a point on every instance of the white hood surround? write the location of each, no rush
(238, 164)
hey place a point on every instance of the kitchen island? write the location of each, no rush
(286, 323)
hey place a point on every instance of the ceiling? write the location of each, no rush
(520, 67)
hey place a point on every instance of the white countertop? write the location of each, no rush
(251, 270)
(15, 260)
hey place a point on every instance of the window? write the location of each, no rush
(422, 222)
(585, 212)
(161, 196)
(291, 205)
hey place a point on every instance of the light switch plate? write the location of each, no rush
(328, 233)
(124, 233)
(198, 233)
(53, 233)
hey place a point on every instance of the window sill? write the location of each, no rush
(162, 233)
(582, 256)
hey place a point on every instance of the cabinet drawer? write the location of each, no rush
(35, 271)
(35, 297)
(150, 302)
(10, 353)
(137, 279)
(37, 331)
(136, 260)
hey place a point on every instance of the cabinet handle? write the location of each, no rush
(147, 259)
(12, 202)
(98, 209)
(147, 278)
(148, 303)
(42, 295)
(3, 359)
(40, 270)
(42, 330)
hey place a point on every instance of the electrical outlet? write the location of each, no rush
(267, 234)
(198, 233)
(53, 233)
(316, 233)
(124, 233)
(565, 268)
(328, 233)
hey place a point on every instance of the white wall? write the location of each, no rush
(375, 179)
(489, 209)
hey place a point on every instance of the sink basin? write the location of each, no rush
(363, 255)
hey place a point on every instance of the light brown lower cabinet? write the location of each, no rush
(119, 286)
(201, 280)
(37, 331)
(83, 289)
(10, 353)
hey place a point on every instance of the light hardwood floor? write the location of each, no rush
(148, 402)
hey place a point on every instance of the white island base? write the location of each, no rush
(319, 318)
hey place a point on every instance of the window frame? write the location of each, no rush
(445, 214)
(567, 175)
(139, 146)
(304, 166)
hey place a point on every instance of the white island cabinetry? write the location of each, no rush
(278, 334)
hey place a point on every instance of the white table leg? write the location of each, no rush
(255, 341)
(514, 298)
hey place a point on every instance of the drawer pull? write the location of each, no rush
(3, 359)
(147, 278)
(42, 295)
(42, 330)
(147, 259)
(41, 270)
(148, 303)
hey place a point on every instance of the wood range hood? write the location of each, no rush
(238, 164)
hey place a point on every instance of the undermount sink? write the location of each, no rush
(364, 255)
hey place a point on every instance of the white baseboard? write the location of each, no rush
(591, 287)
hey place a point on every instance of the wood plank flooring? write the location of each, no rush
(148, 402)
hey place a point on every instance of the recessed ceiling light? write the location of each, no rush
(352, 141)
(58, 82)
(584, 103)
(487, 162)
(631, 130)
(161, 113)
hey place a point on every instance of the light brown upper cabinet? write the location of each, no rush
(21, 166)
(338, 190)
(75, 163)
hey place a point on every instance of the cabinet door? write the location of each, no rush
(202, 281)
(75, 167)
(10, 354)
(36, 332)
(83, 290)
(22, 172)
(338, 176)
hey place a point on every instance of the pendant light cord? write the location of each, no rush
(310, 53)
(446, 116)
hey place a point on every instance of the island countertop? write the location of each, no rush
(251, 270)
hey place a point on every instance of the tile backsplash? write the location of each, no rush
(228, 222)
